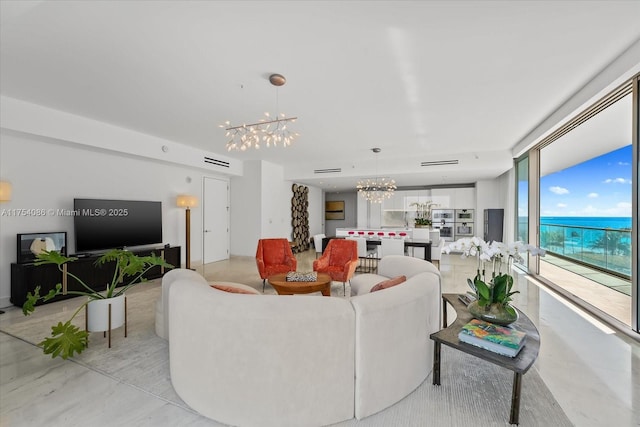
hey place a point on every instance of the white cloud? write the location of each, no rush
(558, 190)
(592, 195)
(561, 205)
(623, 164)
(617, 181)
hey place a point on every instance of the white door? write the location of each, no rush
(215, 218)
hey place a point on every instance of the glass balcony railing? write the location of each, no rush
(606, 249)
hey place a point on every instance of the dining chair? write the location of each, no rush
(419, 234)
(391, 247)
(437, 244)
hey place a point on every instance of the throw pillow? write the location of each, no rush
(385, 284)
(234, 289)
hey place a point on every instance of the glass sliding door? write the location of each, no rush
(522, 202)
(585, 196)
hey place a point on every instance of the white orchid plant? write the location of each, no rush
(499, 257)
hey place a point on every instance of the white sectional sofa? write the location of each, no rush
(269, 360)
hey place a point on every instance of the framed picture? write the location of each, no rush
(334, 210)
(31, 244)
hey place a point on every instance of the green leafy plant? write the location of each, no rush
(423, 221)
(66, 338)
(497, 289)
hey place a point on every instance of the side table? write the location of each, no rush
(519, 364)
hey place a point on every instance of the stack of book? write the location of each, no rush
(504, 340)
(467, 298)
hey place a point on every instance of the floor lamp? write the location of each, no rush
(5, 196)
(188, 202)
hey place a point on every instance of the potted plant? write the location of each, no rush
(423, 213)
(422, 222)
(493, 295)
(66, 338)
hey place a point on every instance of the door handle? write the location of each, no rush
(207, 231)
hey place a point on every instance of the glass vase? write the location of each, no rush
(494, 313)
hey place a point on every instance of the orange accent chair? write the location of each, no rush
(339, 260)
(274, 256)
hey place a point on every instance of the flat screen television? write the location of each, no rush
(107, 224)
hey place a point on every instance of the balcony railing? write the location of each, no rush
(605, 249)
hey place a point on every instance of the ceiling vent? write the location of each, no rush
(216, 162)
(439, 163)
(334, 170)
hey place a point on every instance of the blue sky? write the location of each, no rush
(598, 187)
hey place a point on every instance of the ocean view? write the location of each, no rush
(615, 223)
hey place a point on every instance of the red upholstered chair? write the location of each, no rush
(274, 256)
(339, 260)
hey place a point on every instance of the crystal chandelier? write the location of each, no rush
(375, 190)
(267, 131)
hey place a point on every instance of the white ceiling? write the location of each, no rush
(423, 80)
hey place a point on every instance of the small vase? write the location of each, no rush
(494, 313)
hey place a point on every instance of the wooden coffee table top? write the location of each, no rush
(280, 284)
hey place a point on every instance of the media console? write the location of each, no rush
(25, 277)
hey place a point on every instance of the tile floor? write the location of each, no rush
(592, 371)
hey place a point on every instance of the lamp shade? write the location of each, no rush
(5, 191)
(186, 201)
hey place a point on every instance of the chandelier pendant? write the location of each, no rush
(267, 131)
(376, 190)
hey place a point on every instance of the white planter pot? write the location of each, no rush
(98, 313)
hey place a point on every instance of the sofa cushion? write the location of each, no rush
(235, 288)
(394, 281)
(362, 283)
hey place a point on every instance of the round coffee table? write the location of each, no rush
(280, 284)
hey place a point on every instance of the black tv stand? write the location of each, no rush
(25, 277)
(84, 255)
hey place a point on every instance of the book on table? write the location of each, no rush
(504, 340)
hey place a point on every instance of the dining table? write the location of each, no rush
(377, 241)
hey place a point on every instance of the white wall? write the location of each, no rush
(246, 210)
(261, 207)
(276, 197)
(48, 174)
(316, 211)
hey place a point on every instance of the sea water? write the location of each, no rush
(611, 222)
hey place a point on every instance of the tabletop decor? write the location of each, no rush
(493, 293)
(423, 213)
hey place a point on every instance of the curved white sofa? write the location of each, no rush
(269, 360)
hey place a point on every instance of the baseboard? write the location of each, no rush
(5, 302)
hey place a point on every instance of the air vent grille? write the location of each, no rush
(333, 170)
(216, 162)
(439, 163)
